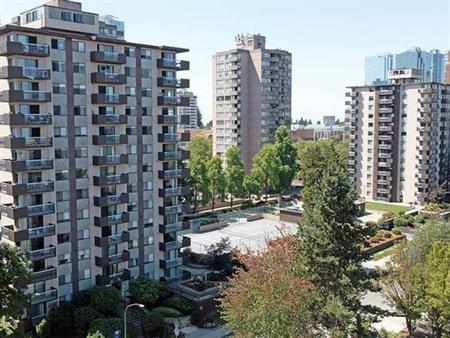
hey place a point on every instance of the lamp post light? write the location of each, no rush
(125, 317)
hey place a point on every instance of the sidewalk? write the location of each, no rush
(219, 332)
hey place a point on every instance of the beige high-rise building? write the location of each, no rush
(251, 96)
(89, 165)
(399, 138)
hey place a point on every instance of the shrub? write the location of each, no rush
(105, 300)
(376, 238)
(185, 306)
(434, 207)
(107, 326)
(82, 318)
(386, 216)
(147, 292)
(153, 321)
(96, 334)
(419, 219)
(387, 234)
(396, 231)
(82, 298)
(43, 329)
(167, 312)
(61, 319)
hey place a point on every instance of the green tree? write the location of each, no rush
(15, 274)
(330, 243)
(43, 329)
(147, 292)
(95, 334)
(82, 318)
(216, 179)
(105, 300)
(287, 155)
(234, 174)
(266, 168)
(200, 153)
(437, 289)
(152, 321)
(403, 286)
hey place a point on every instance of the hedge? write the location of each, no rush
(167, 312)
(153, 321)
(185, 306)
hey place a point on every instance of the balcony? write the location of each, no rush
(110, 179)
(174, 209)
(168, 138)
(173, 101)
(108, 78)
(25, 142)
(103, 280)
(104, 261)
(172, 263)
(171, 192)
(104, 242)
(25, 165)
(186, 242)
(168, 228)
(25, 96)
(18, 72)
(16, 189)
(110, 159)
(108, 57)
(15, 212)
(172, 64)
(103, 140)
(386, 101)
(20, 119)
(386, 92)
(167, 246)
(109, 119)
(46, 274)
(167, 119)
(173, 173)
(172, 82)
(43, 297)
(173, 155)
(27, 49)
(36, 255)
(109, 99)
(104, 221)
(104, 201)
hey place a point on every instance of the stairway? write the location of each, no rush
(135, 316)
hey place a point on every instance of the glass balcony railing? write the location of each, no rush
(38, 164)
(47, 208)
(112, 159)
(112, 179)
(41, 297)
(48, 230)
(35, 95)
(38, 141)
(38, 118)
(169, 192)
(175, 209)
(172, 227)
(42, 253)
(36, 73)
(40, 186)
(173, 173)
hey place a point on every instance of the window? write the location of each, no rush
(148, 186)
(80, 110)
(84, 254)
(62, 175)
(133, 244)
(148, 204)
(130, 91)
(132, 225)
(148, 222)
(147, 149)
(132, 207)
(31, 16)
(64, 279)
(147, 111)
(66, 16)
(79, 68)
(132, 187)
(78, 18)
(65, 298)
(58, 66)
(85, 274)
(62, 196)
(131, 111)
(147, 168)
(146, 130)
(78, 46)
(146, 92)
(81, 152)
(130, 51)
(149, 240)
(80, 131)
(146, 73)
(64, 258)
(82, 193)
(79, 89)
(63, 238)
(61, 154)
(132, 149)
(82, 213)
(63, 216)
(60, 132)
(59, 88)
(83, 234)
(81, 173)
(146, 53)
(58, 44)
(60, 110)
(130, 71)
(133, 262)
(150, 258)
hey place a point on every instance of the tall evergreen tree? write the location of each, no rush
(234, 174)
(287, 155)
(216, 179)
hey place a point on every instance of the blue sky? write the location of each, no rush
(328, 38)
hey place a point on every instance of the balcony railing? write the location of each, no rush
(108, 78)
(173, 173)
(108, 57)
(172, 64)
(18, 72)
(110, 200)
(25, 96)
(109, 139)
(110, 159)
(44, 231)
(167, 228)
(173, 155)
(41, 209)
(172, 82)
(28, 49)
(26, 119)
(15, 189)
(49, 273)
(109, 119)
(174, 209)
(167, 119)
(172, 263)
(46, 296)
(25, 142)
(112, 219)
(109, 98)
(167, 246)
(168, 137)
(39, 254)
(110, 179)
(173, 101)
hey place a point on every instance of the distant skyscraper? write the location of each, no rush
(447, 68)
(251, 96)
(190, 111)
(329, 120)
(431, 64)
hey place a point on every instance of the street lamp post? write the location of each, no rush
(125, 317)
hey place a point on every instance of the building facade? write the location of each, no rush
(447, 69)
(399, 137)
(251, 96)
(89, 165)
(430, 63)
(191, 111)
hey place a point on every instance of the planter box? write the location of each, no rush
(436, 215)
(211, 227)
(383, 245)
(254, 218)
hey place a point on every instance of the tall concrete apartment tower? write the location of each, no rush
(447, 69)
(399, 137)
(191, 111)
(251, 96)
(88, 153)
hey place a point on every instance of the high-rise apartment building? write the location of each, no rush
(399, 137)
(191, 110)
(431, 64)
(447, 69)
(251, 96)
(89, 165)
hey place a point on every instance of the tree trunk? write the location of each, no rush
(231, 202)
(409, 326)
(212, 204)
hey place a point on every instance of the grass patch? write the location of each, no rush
(386, 207)
(383, 253)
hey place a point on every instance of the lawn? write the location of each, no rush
(386, 207)
(383, 253)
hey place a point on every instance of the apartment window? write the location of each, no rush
(146, 168)
(65, 298)
(130, 51)
(83, 234)
(82, 193)
(133, 262)
(132, 225)
(58, 66)
(62, 175)
(59, 110)
(130, 71)
(133, 244)
(151, 258)
(148, 186)
(130, 111)
(31, 16)
(132, 187)
(63, 238)
(85, 274)
(130, 91)
(80, 131)
(84, 254)
(66, 16)
(148, 222)
(146, 53)
(79, 89)
(78, 46)
(57, 44)
(131, 130)
(146, 130)
(62, 216)
(146, 73)
(64, 258)
(81, 152)
(79, 68)
(80, 110)
(62, 196)
(132, 207)
(149, 240)
(60, 132)
(146, 92)
(61, 154)
(82, 213)
(64, 279)
(82, 173)
(148, 204)
(147, 149)
(59, 88)
(78, 18)
(146, 111)
(132, 150)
